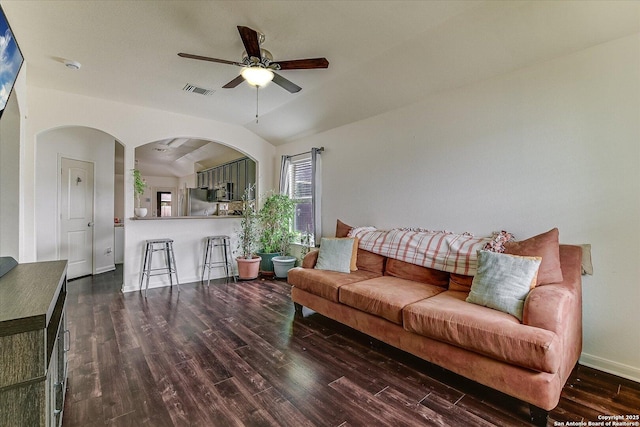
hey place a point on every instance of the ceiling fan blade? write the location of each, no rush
(233, 83)
(206, 58)
(304, 64)
(286, 84)
(250, 41)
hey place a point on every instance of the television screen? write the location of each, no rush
(10, 61)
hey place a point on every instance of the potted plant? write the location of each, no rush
(284, 262)
(248, 261)
(275, 218)
(305, 240)
(139, 185)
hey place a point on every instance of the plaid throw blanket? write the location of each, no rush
(455, 253)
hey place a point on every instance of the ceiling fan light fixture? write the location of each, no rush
(257, 76)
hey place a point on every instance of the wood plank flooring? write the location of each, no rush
(234, 355)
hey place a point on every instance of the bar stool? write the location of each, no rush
(158, 245)
(211, 244)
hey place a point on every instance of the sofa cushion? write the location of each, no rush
(545, 245)
(386, 296)
(417, 273)
(325, 283)
(447, 317)
(311, 258)
(354, 254)
(460, 282)
(369, 261)
(504, 281)
(342, 229)
(335, 254)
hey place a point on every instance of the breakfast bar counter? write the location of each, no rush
(170, 218)
(188, 233)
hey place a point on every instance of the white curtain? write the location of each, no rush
(284, 174)
(316, 191)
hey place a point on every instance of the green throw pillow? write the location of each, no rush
(503, 281)
(335, 255)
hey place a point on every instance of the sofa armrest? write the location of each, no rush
(548, 307)
(557, 307)
(551, 306)
(310, 259)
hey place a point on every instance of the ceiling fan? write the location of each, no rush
(258, 65)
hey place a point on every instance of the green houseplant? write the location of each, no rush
(248, 262)
(275, 216)
(139, 185)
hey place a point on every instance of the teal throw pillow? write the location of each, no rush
(503, 281)
(335, 254)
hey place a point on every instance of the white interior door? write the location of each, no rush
(76, 217)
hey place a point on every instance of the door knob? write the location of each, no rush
(90, 224)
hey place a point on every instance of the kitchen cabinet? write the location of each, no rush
(239, 173)
(34, 342)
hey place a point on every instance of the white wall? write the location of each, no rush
(12, 127)
(84, 144)
(10, 179)
(555, 144)
(118, 195)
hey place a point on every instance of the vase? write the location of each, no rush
(282, 265)
(140, 212)
(266, 265)
(248, 268)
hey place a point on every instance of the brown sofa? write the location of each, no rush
(424, 312)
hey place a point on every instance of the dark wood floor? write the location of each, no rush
(233, 354)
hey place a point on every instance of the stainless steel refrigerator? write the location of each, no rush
(201, 201)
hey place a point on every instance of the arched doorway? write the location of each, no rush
(86, 146)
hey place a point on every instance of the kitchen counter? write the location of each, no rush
(189, 235)
(156, 218)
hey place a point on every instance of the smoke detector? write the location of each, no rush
(72, 65)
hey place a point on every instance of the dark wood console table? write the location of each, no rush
(33, 344)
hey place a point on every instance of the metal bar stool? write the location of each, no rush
(157, 245)
(211, 244)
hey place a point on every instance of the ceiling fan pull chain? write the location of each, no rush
(257, 89)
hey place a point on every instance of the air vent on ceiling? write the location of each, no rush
(199, 90)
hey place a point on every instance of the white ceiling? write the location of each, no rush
(382, 54)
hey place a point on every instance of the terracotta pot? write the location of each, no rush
(248, 268)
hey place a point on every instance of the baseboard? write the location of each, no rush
(611, 367)
(105, 269)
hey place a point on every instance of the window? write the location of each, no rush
(297, 181)
(300, 192)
